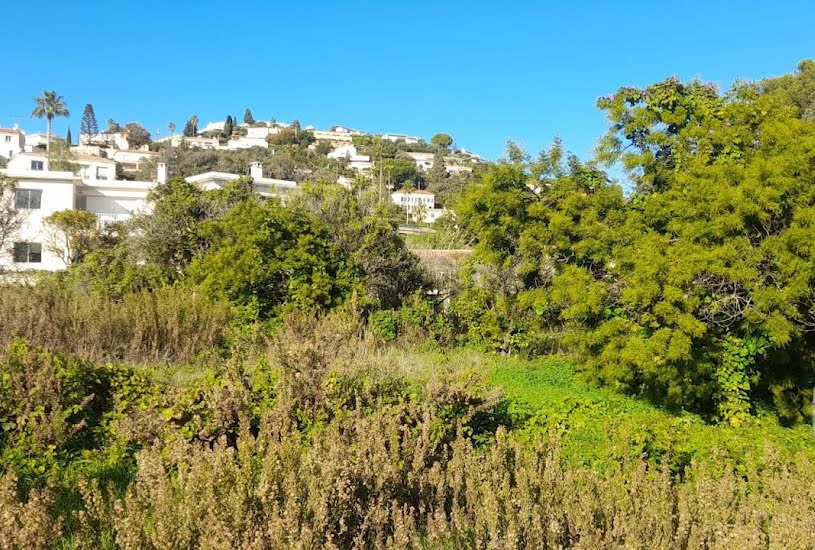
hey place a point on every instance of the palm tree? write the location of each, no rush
(419, 212)
(171, 128)
(49, 105)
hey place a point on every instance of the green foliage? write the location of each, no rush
(363, 229)
(384, 324)
(398, 171)
(229, 126)
(653, 290)
(75, 234)
(442, 141)
(600, 429)
(292, 135)
(797, 88)
(137, 135)
(264, 257)
(61, 159)
(191, 127)
(51, 408)
(89, 126)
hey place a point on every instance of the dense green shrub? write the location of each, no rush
(666, 292)
(384, 324)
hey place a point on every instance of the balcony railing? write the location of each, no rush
(112, 217)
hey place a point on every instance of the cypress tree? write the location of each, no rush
(247, 116)
(229, 126)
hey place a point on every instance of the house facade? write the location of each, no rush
(40, 192)
(361, 163)
(419, 202)
(12, 142)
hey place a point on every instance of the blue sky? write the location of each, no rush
(483, 72)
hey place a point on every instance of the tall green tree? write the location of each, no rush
(191, 127)
(269, 258)
(247, 116)
(68, 138)
(442, 141)
(797, 88)
(229, 126)
(48, 106)
(137, 135)
(88, 127)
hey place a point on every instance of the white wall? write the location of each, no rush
(57, 194)
(12, 143)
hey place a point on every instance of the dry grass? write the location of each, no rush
(372, 482)
(324, 442)
(166, 324)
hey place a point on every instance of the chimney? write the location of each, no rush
(161, 175)
(256, 170)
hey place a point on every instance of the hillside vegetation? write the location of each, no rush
(607, 369)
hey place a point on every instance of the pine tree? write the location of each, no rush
(88, 126)
(229, 126)
(247, 116)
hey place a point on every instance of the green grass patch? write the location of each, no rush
(599, 428)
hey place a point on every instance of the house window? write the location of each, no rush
(37, 165)
(8, 139)
(29, 199)
(27, 253)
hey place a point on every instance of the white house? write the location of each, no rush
(358, 162)
(419, 199)
(410, 140)
(12, 142)
(39, 192)
(200, 142)
(337, 134)
(37, 142)
(131, 160)
(424, 161)
(265, 187)
(246, 142)
(414, 198)
(116, 140)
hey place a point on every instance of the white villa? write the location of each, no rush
(117, 140)
(200, 142)
(337, 134)
(40, 192)
(12, 142)
(419, 199)
(410, 140)
(361, 163)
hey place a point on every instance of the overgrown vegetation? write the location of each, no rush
(696, 288)
(609, 368)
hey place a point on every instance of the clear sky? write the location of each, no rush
(483, 72)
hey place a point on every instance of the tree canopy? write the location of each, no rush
(698, 286)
